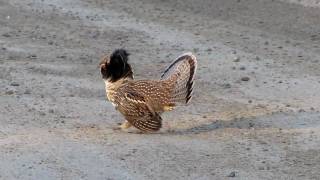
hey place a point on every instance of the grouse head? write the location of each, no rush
(116, 66)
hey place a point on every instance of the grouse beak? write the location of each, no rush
(103, 62)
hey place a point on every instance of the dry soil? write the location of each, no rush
(255, 111)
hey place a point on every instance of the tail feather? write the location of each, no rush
(181, 74)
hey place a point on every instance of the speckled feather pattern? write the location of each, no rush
(142, 101)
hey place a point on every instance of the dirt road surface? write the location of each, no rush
(255, 111)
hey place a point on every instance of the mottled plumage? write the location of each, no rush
(141, 102)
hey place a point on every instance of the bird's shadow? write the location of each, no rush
(276, 120)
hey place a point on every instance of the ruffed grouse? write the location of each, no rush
(141, 102)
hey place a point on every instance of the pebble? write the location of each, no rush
(14, 84)
(62, 56)
(242, 68)
(51, 111)
(227, 85)
(236, 59)
(27, 91)
(6, 35)
(10, 92)
(232, 174)
(245, 78)
(32, 56)
(251, 124)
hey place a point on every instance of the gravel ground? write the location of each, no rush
(255, 111)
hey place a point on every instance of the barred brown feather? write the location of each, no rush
(148, 122)
(141, 102)
(181, 73)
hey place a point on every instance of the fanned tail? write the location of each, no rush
(181, 75)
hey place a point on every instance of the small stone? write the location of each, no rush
(251, 124)
(51, 111)
(209, 49)
(27, 91)
(42, 96)
(42, 113)
(204, 116)
(250, 101)
(245, 78)
(232, 174)
(10, 92)
(32, 56)
(62, 121)
(62, 56)
(236, 59)
(6, 35)
(257, 58)
(227, 85)
(14, 84)
(242, 68)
